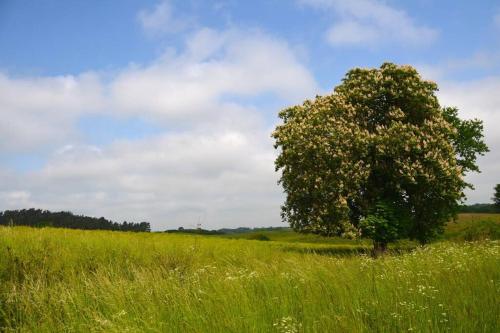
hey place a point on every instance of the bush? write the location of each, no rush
(381, 225)
(475, 231)
(260, 237)
(481, 230)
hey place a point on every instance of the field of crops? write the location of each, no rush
(56, 280)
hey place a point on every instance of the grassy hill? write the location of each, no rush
(57, 280)
(474, 226)
(469, 226)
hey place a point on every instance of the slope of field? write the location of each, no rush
(288, 235)
(474, 226)
(469, 226)
(56, 280)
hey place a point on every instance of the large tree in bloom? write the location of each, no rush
(377, 158)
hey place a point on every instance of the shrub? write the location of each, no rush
(260, 237)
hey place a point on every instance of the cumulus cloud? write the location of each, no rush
(224, 178)
(41, 111)
(478, 63)
(479, 99)
(496, 19)
(370, 23)
(213, 162)
(162, 20)
(475, 98)
(214, 66)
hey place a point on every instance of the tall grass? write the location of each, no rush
(471, 227)
(55, 280)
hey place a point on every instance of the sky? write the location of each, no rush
(161, 110)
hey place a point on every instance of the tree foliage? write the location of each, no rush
(381, 139)
(478, 208)
(496, 197)
(44, 218)
(382, 224)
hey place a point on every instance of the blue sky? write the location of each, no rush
(161, 110)
(60, 37)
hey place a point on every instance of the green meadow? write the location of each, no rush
(58, 280)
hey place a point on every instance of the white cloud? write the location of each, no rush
(163, 20)
(371, 23)
(214, 164)
(496, 19)
(477, 62)
(475, 98)
(14, 198)
(214, 66)
(479, 99)
(352, 32)
(40, 111)
(225, 178)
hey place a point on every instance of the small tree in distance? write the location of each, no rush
(496, 197)
(379, 157)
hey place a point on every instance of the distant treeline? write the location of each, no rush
(44, 218)
(479, 208)
(181, 230)
(223, 231)
(242, 230)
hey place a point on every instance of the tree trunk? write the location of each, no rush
(379, 249)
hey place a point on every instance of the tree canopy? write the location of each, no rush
(379, 158)
(43, 218)
(496, 197)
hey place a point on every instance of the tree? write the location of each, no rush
(43, 218)
(496, 197)
(378, 158)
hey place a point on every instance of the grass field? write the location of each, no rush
(470, 227)
(55, 280)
